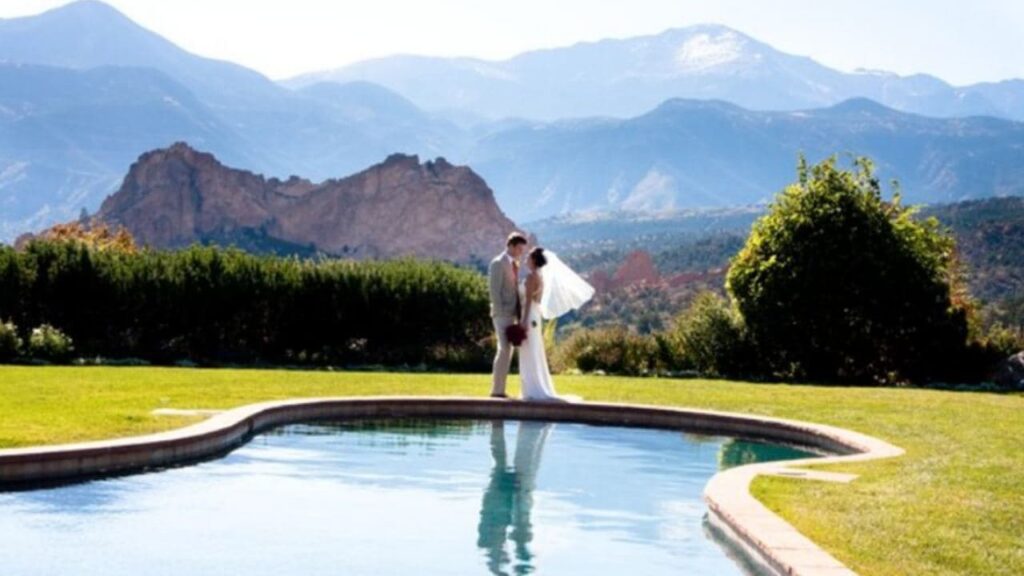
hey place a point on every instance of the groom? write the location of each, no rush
(503, 276)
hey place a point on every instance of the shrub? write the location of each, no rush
(1004, 341)
(709, 338)
(609, 350)
(836, 284)
(10, 343)
(49, 343)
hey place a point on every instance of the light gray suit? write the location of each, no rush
(504, 288)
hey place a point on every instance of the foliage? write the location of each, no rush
(1003, 341)
(609, 350)
(49, 343)
(550, 333)
(836, 284)
(10, 342)
(100, 236)
(709, 337)
(211, 305)
(1007, 314)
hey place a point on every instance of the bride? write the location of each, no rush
(550, 290)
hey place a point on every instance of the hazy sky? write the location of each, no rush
(962, 41)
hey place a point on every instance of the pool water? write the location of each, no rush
(395, 497)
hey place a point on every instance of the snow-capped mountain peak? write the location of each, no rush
(706, 50)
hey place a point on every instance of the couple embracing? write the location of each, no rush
(520, 301)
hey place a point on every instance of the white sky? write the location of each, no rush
(961, 41)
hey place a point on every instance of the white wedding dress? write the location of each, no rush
(537, 385)
(563, 291)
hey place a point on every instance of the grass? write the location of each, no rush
(953, 505)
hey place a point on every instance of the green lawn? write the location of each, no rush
(953, 505)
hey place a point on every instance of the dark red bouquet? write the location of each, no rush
(515, 334)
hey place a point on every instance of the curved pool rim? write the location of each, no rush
(765, 538)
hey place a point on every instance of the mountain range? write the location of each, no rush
(84, 90)
(627, 77)
(693, 154)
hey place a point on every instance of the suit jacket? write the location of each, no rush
(504, 287)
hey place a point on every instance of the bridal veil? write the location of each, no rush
(564, 290)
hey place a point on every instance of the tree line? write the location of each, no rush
(223, 306)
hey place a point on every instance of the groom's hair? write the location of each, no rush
(515, 239)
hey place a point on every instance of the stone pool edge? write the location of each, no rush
(760, 534)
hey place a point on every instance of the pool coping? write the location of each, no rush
(764, 537)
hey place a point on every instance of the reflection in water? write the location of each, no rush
(509, 497)
(735, 452)
(393, 497)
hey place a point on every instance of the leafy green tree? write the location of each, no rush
(837, 284)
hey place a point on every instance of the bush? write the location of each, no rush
(835, 284)
(1003, 342)
(709, 338)
(10, 343)
(609, 350)
(49, 343)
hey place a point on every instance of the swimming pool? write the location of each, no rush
(396, 496)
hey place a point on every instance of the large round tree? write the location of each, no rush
(837, 284)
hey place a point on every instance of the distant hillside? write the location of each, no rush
(990, 237)
(178, 196)
(694, 154)
(651, 232)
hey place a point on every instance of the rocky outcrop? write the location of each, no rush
(177, 196)
(637, 269)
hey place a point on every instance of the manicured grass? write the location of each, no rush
(953, 505)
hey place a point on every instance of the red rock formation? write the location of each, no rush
(176, 196)
(637, 269)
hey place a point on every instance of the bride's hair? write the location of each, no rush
(538, 258)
